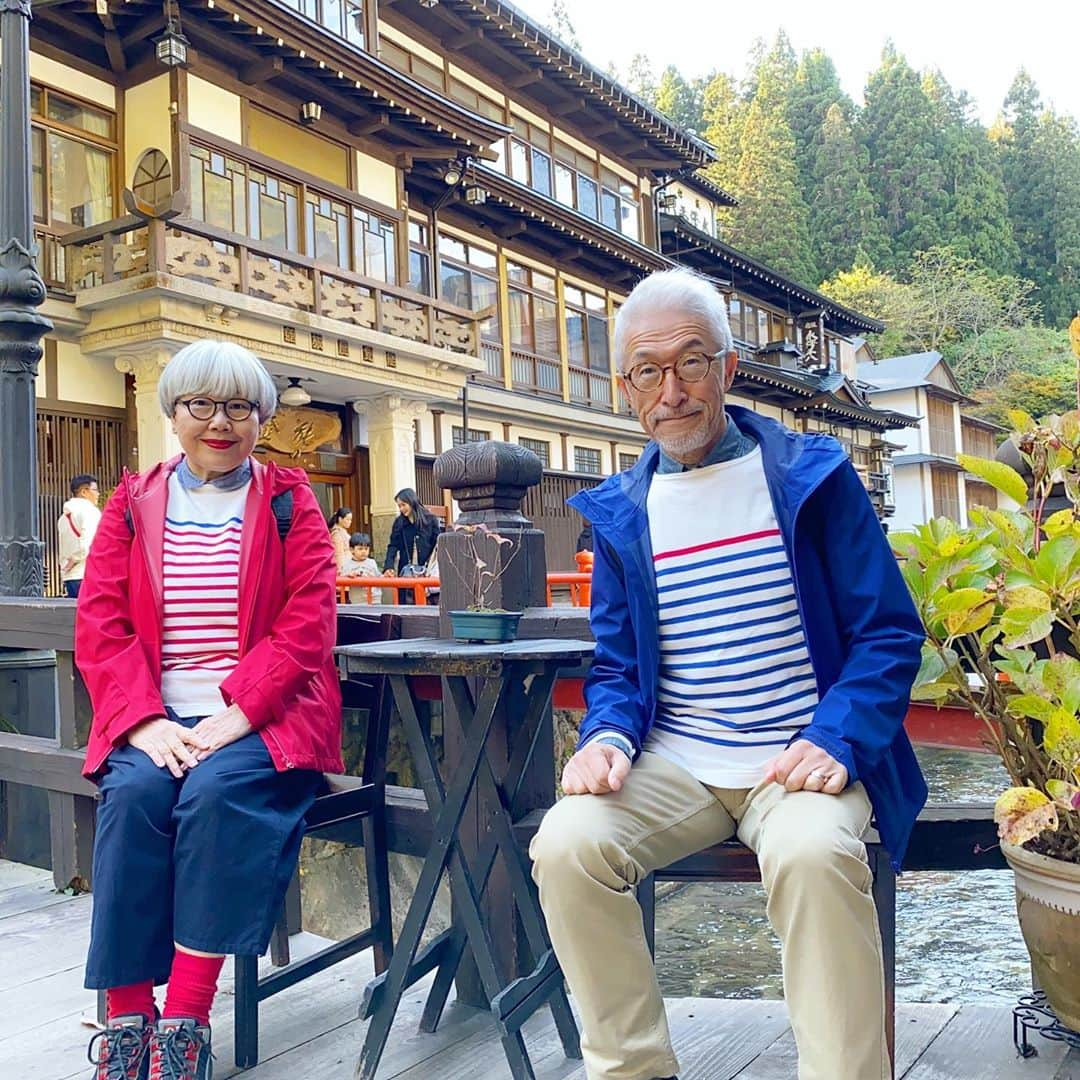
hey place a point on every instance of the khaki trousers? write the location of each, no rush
(590, 852)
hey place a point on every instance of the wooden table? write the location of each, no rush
(524, 671)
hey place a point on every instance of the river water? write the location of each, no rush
(957, 938)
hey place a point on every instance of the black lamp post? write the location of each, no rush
(21, 325)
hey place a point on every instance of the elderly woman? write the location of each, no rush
(204, 634)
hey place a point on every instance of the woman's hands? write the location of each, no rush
(169, 745)
(222, 728)
(172, 746)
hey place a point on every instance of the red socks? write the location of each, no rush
(192, 984)
(138, 998)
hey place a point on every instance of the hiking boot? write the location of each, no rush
(122, 1049)
(180, 1050)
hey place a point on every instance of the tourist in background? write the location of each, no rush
(340, 532)
(412, 541)
(204, 633)
(76, 528)
(359, 563)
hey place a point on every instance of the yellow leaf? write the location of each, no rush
(950, 545)
(1061, 522)
(1064, 794)
(1027, 596)
(1062, 728)
(1022, 813)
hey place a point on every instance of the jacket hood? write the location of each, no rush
(797, 462)
(72, 505)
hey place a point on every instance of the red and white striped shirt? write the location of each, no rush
(201, 564)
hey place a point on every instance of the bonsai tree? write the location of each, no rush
(1000, 601)
(488, 556)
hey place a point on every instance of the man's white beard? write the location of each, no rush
(678, 446)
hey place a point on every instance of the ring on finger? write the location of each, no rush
(820, 774)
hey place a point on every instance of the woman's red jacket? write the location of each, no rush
(285, 683)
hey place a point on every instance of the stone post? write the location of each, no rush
(21, 325)
(156, 440)
(488, 480)
(391, 429)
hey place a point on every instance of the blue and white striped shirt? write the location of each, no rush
(735, 679)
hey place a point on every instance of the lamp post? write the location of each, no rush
(21, 325)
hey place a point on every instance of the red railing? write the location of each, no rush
(578, 584)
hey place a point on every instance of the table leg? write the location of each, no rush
(449, 807)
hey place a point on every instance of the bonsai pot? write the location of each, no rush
(1048, 904)
(491, 626)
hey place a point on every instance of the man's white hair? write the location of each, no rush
(677, 289)
(220, 370)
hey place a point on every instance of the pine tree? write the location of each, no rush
(679, 100)
(1058, 147)
(815, 90)
(975, 221)
(640, 79)
(899, 131)
(561, 26)
(844, 223)
(724, 115)
(771, 222)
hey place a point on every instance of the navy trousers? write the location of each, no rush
(203, 861)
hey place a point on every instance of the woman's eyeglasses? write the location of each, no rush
(204, 408)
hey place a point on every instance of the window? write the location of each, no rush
(419, 258)
(587, 347)
(475, 435)
(532, 311)
(939, 414)
(468, 278)
(587, 460)
(152, 181)
(946, 493)
(416, 66)
(73, 152)
(233, 195)
(342, 17)
(627, 461)
(540, 448)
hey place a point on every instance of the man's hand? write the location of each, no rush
(806, 767)
(169, 745)
(595, 769)
(221, 729)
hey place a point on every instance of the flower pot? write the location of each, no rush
(1048, 904)
(490, 626)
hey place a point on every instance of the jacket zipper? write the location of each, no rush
(289, 764)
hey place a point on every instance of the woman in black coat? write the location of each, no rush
(412, 538)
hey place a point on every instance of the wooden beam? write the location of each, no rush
(114, 50)
(370, 124)
(530, 77)
(569, 107)
(510, 230)
(261, 71)
(149, 24)
(459, 41)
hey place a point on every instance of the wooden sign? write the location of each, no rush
(299, 431)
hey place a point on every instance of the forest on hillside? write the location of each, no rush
(962, 238)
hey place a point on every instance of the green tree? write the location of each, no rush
(975, 220)
(679, 99)
(844, 223)
(899, 131)
(1038, 394)
(815, 90)
(560, 25)
(640, 79)
(772, 220)
(724, 114)
(1058, 148)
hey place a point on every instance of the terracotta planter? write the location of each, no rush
(1048, 903)
(492, 626)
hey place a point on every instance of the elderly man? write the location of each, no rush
(755, 646)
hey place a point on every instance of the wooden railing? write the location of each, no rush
(589, 387)
(51, 263)
(195, 251)
(492, 355)
(542, 374)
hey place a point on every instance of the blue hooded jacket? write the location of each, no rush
(862, 630)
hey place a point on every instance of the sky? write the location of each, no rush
(978, 46)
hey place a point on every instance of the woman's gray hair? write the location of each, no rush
(678, 289)
(220, 370)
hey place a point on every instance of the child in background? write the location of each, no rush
(359, 563)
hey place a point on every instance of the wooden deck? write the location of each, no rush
(311, 1032)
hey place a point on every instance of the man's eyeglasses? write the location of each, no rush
(204, 408)
(689, 368)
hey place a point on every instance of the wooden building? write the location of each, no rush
(382, 200)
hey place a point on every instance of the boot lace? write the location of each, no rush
(178, 1055)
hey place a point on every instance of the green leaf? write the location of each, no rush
(1031, 705)
(1061, 522)
(935, 691)
(1062, 732)
(1055, 558)
(1022, 626)
(1020, 420)
(999, 475)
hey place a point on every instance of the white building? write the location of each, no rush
(928, 481)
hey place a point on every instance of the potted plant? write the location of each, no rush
(487, 555)
(1000, 601)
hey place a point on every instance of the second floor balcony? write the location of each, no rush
(133, 254)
